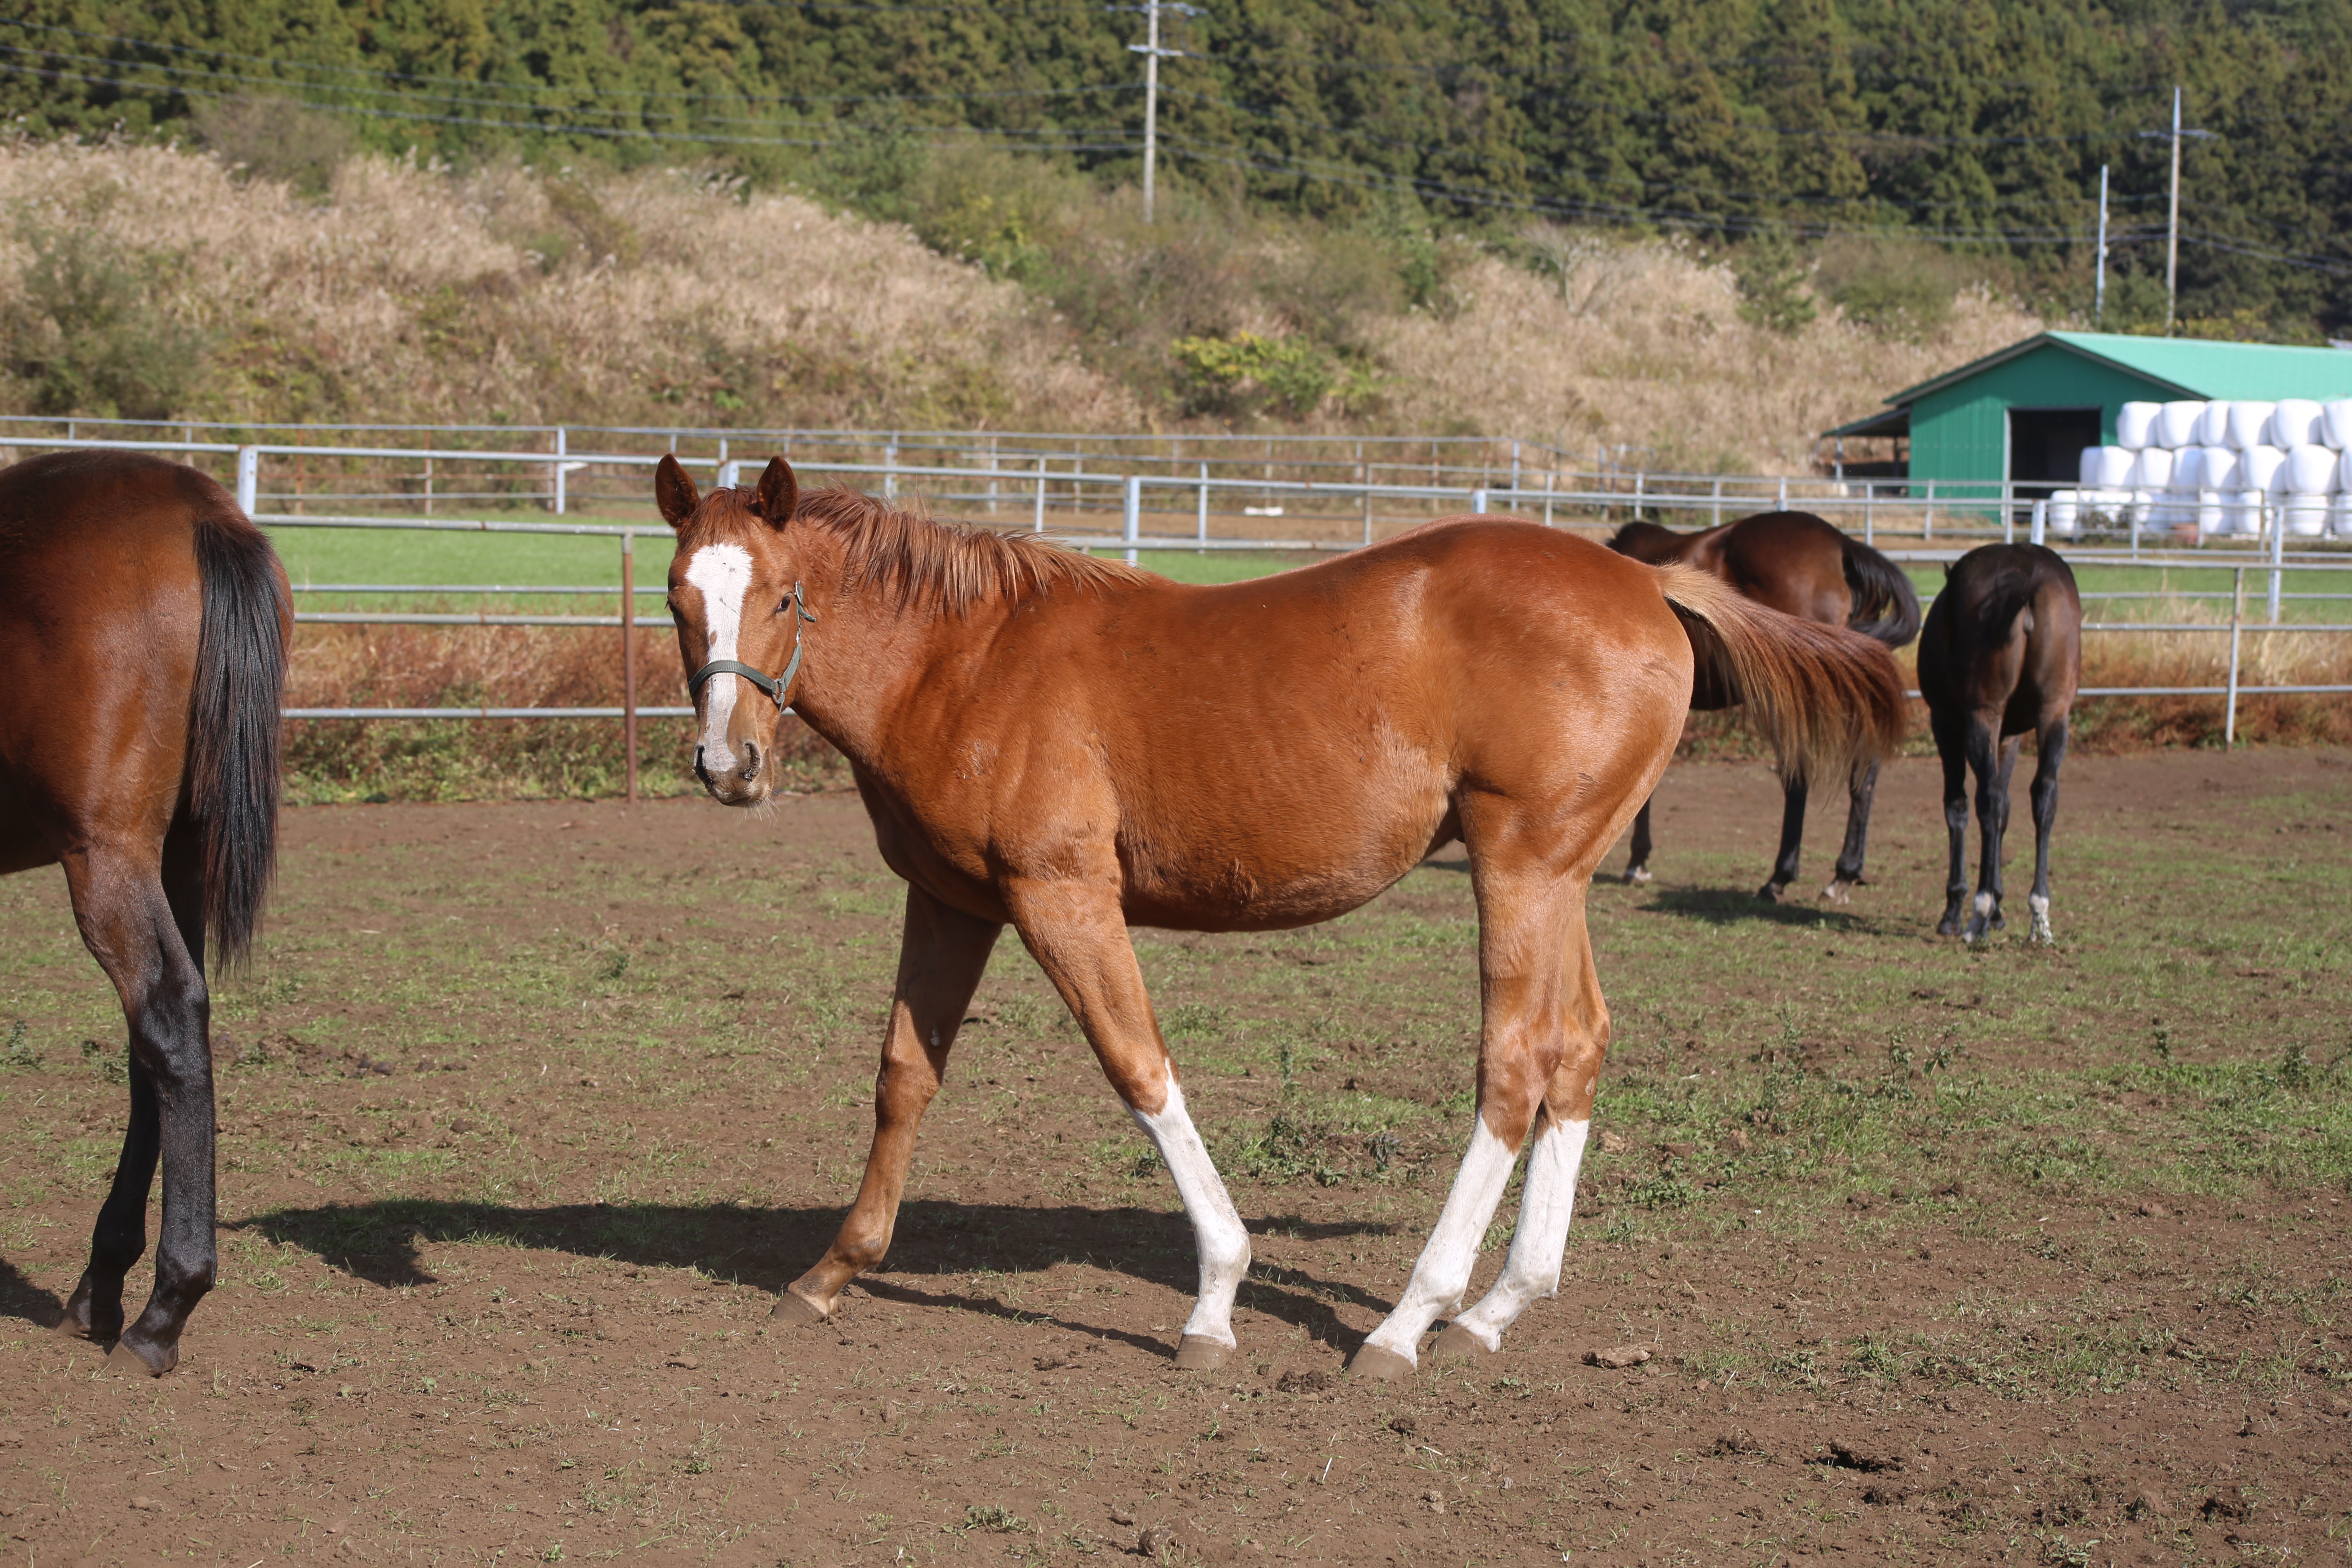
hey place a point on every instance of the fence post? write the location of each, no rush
(1514, 467)
(1202, 525)
(2041, 522)
(248, 478)
(1039, 527)
(1714, 517)
(2007, 523)
(1928, 518)
(557, 487)
(890, 469)
(1640, 478)
(1134, 530)
(2237, 610)
(1478, 502)
(1869, 523)
(1783, 503)
(731, 474)
(2276, 518)
(629, 660)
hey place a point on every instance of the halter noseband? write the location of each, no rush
(778, 686)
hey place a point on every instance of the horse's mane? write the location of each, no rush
(949, 564)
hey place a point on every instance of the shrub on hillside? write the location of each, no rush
(1898, 288)
(89, 330)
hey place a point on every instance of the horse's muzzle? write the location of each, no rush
(742, 784)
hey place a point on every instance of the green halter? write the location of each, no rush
(777, 687)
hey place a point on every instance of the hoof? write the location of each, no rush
(1769, 892)
(1457, 1340)
(92, 1314)
(1839, 892)
(1371, 1361)
(130, 1359)
(2041, 937)
(1637, 875)
(792, 1306)
(1199, 1352)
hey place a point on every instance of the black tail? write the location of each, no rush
(1885, 605)
(234, 754)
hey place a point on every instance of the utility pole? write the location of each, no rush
(2172, 227)
(1152, 53)
(2099, 290)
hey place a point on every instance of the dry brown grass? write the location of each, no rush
(412, 294)
(1643, 343)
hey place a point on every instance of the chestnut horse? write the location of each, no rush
(2002, 654)
(143, 623)
(1803, 566)
(1066, 745)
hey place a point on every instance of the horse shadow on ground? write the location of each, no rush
(1728, 907)
(942, 1253)
(22, 1299)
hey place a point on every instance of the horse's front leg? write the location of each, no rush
(941, 957)
(1075, 928)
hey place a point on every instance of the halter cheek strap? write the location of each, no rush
(778, 688)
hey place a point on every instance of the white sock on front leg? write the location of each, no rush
(1217, 1227)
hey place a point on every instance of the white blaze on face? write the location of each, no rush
(723, 574)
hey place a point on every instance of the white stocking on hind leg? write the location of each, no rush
(1541, 1062)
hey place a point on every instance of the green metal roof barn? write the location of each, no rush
(2025, 413)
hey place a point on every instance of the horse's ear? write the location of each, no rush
(674, 493)
(779, 496)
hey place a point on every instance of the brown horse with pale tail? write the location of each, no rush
(1067, 746)
(143, 623)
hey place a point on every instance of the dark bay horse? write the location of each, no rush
(1802, 566)
(143, 624)
(1066, 746)
(2002, 654)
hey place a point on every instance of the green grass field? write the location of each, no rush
(322, 556)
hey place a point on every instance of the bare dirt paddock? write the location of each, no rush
(528, 1111)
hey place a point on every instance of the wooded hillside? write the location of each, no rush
(1979, 125)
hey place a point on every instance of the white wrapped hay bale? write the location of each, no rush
(2336, 427)
(2311, 470)
(2246, 424)
(2106, 467)
(2303, 513)
(2259, 468)
(2061, 512)
(2136, 426)
(2214, 426)
(2215, 471)
(2177, 424)
(2152, 468)
(2294, 422)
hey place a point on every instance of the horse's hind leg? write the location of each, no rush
(1637, 863)
(151, 944)
(2049, 752)
(1792, 839)
(942, 954)
(1527, 923)
(1986, 762)
(1861, 788)
(1951, 749)
(1547, 1199)
(1077, 932)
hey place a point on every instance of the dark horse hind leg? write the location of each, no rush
(1792, 839)
(1992, 763)
(151, 944)
(2050, 750)
(1637, 863)
(1951, 749)
(1862, 787)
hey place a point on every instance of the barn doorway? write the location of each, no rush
(2045, 447)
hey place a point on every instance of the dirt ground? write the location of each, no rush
(528, 1112)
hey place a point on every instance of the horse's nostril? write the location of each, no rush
(700, 771)
(751, 761)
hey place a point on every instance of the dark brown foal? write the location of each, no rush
(2002, 654)
(1802, 566)
(143, 623)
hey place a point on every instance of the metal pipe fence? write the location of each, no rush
(1346, 511)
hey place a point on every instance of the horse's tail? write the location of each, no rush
(1826, 697)
(1885, 605)
(233, 730)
